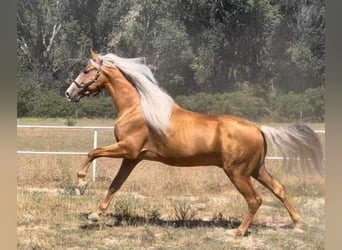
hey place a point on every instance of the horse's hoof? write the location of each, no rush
(232, 232)
(94, 217)
(298, 227)
(298, 230)
(81, 188)
(235, 233)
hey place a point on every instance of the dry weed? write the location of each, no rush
(51, 220)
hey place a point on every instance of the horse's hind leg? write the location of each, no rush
(265, 178)
(243, 184)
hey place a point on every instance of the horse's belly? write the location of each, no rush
(195, 160)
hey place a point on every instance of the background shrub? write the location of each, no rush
(308, 106)
(240, 103)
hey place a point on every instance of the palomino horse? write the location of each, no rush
(151, 126)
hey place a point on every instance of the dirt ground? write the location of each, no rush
(158, 207)
(176, 214)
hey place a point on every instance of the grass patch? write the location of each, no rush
(148, 211)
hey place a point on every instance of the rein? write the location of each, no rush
(85, 86)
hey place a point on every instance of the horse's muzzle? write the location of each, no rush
(72, 98)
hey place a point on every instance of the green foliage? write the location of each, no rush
(70, 121)
(290, 106)
(28, 90)
(240, 103)
(127, 207)
(50, 104)
(163, 40)
(193, 47)
(315, 99)
(203, 66)
(301, 56)
(97, 107)
(34, 102)
(301, 106)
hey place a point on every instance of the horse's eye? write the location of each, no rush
(85, 71)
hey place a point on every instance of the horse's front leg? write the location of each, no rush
(118, 150)
(125, 169)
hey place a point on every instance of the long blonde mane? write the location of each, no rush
(156, 104)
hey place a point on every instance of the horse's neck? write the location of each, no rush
(124, 95)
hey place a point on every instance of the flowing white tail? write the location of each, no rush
(297, 141)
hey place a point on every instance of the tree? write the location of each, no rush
(112, 20)
(51, 40)
(192, 46)
(300, 63)
(162, 39)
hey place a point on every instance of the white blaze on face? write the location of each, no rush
(73, 90)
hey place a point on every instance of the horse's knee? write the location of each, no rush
(91, 154)
(81, 174)
(254, 203)
(279, 190)
(258, 201)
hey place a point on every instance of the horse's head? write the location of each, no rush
(89, 82)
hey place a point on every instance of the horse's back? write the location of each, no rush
(214, 127)
(195, 137)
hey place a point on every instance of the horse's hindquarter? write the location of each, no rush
(241, 141)
(196, 139)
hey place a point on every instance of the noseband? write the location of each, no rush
(85, 86)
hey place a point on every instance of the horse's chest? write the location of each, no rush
(124, 129)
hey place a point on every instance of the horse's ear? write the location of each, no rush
(94, 56)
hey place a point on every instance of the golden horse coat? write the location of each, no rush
(150, 126)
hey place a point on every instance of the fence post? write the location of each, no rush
(94, 161)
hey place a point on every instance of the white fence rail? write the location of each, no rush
(95, 142)
(65, 153)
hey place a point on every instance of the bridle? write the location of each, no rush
(84, 86)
